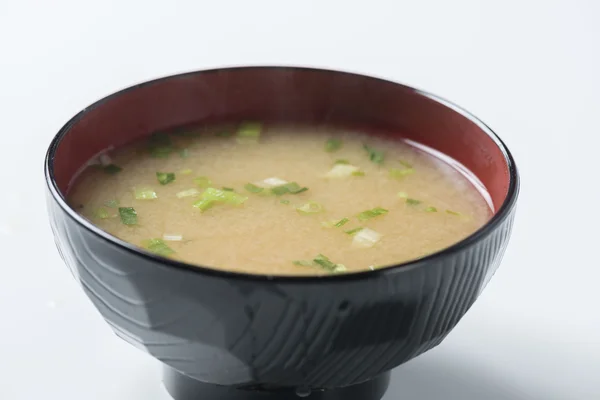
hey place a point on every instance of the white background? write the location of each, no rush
(530, 69)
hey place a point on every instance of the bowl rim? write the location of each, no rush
(500, 215)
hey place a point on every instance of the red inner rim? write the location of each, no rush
(304, 95)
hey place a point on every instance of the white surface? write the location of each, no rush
(530, 69)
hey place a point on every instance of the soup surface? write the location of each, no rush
(279, 200)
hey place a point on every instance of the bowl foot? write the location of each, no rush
(182, 387)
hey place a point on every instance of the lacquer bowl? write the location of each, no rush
(225, 335)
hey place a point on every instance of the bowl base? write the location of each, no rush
(182, 387)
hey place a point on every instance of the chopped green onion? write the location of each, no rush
(341, 161)
(249, 132)
(358, 173)
(341, 171)
(165, 177)
(187, 193)
(101, 213)
(412, 202)
(405, 164)
(145, 194)
(160, 145)
(403, 195)
(312, 207)
(185, 171)
(112, 169)
(376, 156)
(158, 246)
(453, 212)
(111, 203)
(252, 188)
(303, 263)
(366, 238)
(325, 263)
(202, 181)
(354, 231)
(368, 214)
(341, 222)
(400, 173)
(228, 189)
(184, 153)
(128, 215)
(204, 204)
(332, 145)
(431, 209)
(224, 133)
(223, 196)
(212, 196)
(284, 201)
(291, 187)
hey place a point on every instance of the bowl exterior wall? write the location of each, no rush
(260, 333)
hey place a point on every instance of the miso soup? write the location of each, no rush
(280, 200)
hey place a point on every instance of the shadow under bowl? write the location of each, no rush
(226, 335)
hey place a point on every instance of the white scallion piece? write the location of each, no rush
(341, 171)
(172, 237)
(105, 159)
(366, 238)
(187, 193)
(271, 182)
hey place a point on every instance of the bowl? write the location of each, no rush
(226, 335)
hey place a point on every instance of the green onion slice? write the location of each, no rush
(332, 145)
(341, 222)
(292, 188)
(202, 181)
(158, 246)
(160, 145)
(223, 196)
(325, 263)
(128, 215)
(453, 212)
(312, 207)
(184, 153)
(112, 203)
(249, 132)
(204, 204)
(375, 156)
(101, 213)
(228, 189)
(341, 171)
(252, 188)
(165, 177)
(401, 173)
(187, 193)
(354, 231)
(341, 161)
(431, 209)
(412, 202)
(145, 194)
(368, 214)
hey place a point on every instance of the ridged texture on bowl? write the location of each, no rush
(260, 333)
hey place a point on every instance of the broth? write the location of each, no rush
(280, 200)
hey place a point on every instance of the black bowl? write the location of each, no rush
(232, 335)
